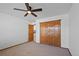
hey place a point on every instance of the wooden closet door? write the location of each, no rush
(55, 36)
(51, 29)
(44, 34)
(51, 33)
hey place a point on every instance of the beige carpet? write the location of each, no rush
(34, 49)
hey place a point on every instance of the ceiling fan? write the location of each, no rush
(29, 10)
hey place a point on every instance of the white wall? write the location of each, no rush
(74, 29)
(64, 29)
(37, 34)
(13, 31)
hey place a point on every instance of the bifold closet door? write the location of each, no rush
(55, 33)
(44, 35)
(50, 33)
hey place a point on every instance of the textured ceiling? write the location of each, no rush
(49, 9)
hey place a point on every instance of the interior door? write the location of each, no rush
(31, 32)
(51, 33)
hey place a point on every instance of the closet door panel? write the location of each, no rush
(57, 33)
(44, 33)
(51, 33)
(51, 29)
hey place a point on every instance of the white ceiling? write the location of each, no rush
(49, 9)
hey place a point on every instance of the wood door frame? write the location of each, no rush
(50, 21)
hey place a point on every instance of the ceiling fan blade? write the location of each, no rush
(19, 9)
(36, 10)
(26, 14)
(34, 14)
(27, 5)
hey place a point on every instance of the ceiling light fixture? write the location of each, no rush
(29, 12)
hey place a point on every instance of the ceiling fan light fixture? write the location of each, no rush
(29, 12)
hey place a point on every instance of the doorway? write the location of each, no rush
(31, 33)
